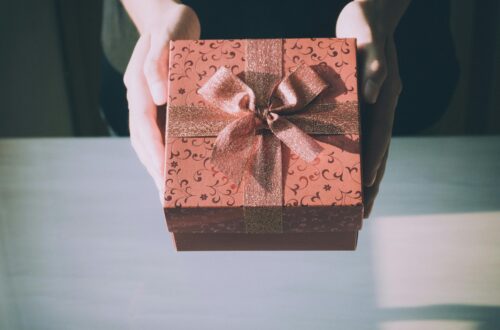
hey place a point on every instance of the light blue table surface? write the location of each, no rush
(84, 246)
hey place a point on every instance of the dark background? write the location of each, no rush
(50, 60)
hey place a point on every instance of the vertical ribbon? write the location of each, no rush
(263, 198)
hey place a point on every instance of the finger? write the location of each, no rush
(145, 134)
(138, 147)
(150, 141)
(378, 120)
(373, 70)
(370, 193)
(135, 64)
(152, 166)
(156, 67)
(136, 98)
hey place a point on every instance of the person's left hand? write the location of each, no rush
(146, 79)
(367, 21)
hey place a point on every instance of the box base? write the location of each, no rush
(340, 241)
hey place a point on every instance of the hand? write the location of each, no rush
(146, 80)
(380, 84)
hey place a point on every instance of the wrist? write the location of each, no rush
(384, 15)
(148, 15)
(160, 17)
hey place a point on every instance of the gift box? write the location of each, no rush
(263, 145)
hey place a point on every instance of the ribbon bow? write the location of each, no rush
(235, 146)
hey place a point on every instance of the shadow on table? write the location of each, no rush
(486, 317)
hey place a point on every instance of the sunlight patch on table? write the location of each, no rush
(437, 259)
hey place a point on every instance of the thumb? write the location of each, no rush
(156, 69)
(374, 70)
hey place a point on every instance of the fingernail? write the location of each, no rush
(159, 93)
(370, 91)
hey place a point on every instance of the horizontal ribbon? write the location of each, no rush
(316, 119)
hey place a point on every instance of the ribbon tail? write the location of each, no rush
(233, 147)
(299, 142)
(263, 195)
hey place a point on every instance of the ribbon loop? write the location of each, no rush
(228, 92)
(297, 90)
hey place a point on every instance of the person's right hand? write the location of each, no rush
(146, 80)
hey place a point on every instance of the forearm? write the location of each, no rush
(142, 12)
(387, 12)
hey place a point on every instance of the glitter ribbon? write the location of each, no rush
(259, 115)
(234, 144)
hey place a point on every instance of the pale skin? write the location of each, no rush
(371, 22)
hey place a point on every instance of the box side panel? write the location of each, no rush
(265, 242)
(295, 219)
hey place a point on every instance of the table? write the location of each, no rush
(84, 246)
